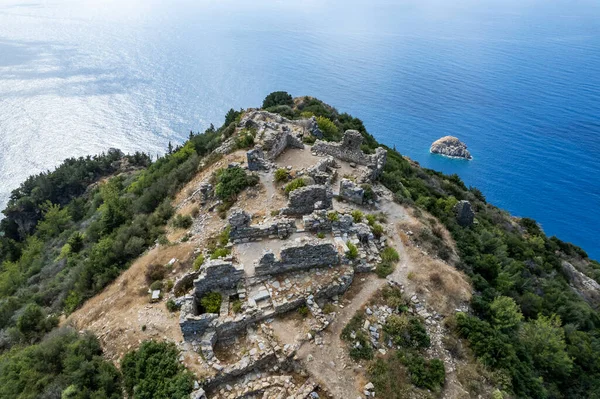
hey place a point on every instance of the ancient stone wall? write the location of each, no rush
(193, 325)
(242, 231)
(301, 255)
(218, 275)
(306, 199)
(324, 171)
(349, 150)
(352, 192)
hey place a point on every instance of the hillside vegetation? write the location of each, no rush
(68, 233)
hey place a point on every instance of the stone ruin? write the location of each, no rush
(243, 231)
(464, 213)
(299, 255)
(307, 199)
(351, 192)
(349, 150)
(324, 171)
(274, 133)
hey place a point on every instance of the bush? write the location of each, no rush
(377, 230)
(389, 254)
(281, 174)
(294, 185)
(277, 98)
(425, 374)
(357, 216)
(231, 181)
(244, 140)
(333, 216)
(211, 302)
(328, 128)
(369, 193)
(352, 251)
(303, 311)
(172, 306)
(182, 221)
(236, 306)
(198, 262)
(220, 253)
(406, 331)
(384, 269)
(361, 347)
(153, 371)
(157, 285)
(371, 219)
(320, 235)
(155, 272)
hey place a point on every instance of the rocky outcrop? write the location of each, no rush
(304, 200)
(451, 147)
(588, 288)
(464, 213)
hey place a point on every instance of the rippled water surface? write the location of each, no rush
(518, 81)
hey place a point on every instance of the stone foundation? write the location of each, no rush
(351, 192)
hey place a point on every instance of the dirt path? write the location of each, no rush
(329, 363)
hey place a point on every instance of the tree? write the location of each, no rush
(278, 98)
(54, 222)
(329, 129)
(506, 314)
(544, 339)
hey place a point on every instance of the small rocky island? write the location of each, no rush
(450, 146)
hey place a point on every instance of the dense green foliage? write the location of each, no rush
(294, 185)
(153, 372)
(65, 363)
(211, 302)
(277, 98)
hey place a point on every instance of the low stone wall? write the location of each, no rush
(298, 256)
(193, 325)
(306, 199)
(218, 275)
(318, 221)
(242, 231)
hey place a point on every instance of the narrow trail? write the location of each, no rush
(330, 365)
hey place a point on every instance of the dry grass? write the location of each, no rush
(445, 287)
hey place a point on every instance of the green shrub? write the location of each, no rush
(277, 98)
(245, 139)
(328, 308)
(155, 272)
(357, 216)
(369, 193)
(333, 216)
(390, 255)
(224, 236)
(371, 219)
(320, 235)
(198, 262)
(406, 331)
(425, 374)
(154, 371)
(231, 181)
(236, 306)
(303, 311)
(211, 302)
(220, 253)
(377, 230)
(172, 306)
(328, 128)
(281, 174)
(354, 325)
(361, 347)
(182, 221)
(294, 185)
(384, 269)
(157, 285)
(352, 250)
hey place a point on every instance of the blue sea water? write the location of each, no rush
(518, 81)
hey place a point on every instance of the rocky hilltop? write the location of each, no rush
(450, 146)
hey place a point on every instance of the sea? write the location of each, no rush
(517, 81)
